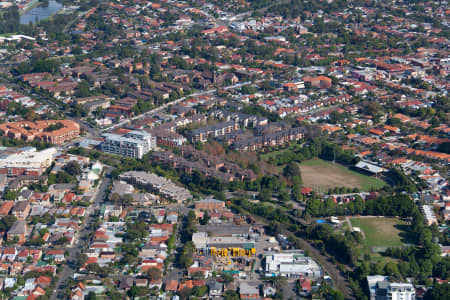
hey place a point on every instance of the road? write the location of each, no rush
(69, 268)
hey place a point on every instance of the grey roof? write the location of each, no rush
(26, 194)
(209, 200)
(214, 285)
(19, 227)
(20, 206)
(248, 289)
(62, 186)
(224, 230)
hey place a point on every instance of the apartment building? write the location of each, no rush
(217, 130)
(156, 184)
(50, 131)
(133, 144)
(21, 210)
(382, 289)
(275, 139)
(18, 230)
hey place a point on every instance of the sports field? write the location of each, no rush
(322, 175)
(380, 232)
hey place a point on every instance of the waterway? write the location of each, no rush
(39, 12)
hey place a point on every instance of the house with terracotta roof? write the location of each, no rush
(321, 82)
(171, 286)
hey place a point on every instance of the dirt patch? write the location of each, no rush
(328, 176)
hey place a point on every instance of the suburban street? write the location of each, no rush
(165, 105)
(69, 269)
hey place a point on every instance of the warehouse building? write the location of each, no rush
(291, 263)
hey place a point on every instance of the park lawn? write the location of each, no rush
(380, 232)
(273, 154)
(322, 175)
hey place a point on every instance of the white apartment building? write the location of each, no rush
(381, 289)
(133, 144)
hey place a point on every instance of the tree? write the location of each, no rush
(265, 195)
(83, 89)
(230, 295)
(154, 274)
(438, 292)
(115, 198)
(284, 196)
(81, 259)
(292, 169)
(199, 291)
(127, 199)
(91, 296)
(133, 291)
(205, 219)
(444, 147)
(73, 168)
(54, 127)
(185, 293)
(10, 21)
(390, 269)
(425, 237)
(6, 222)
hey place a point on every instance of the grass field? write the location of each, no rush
(380, 232)
(273, 154)
(322, 175)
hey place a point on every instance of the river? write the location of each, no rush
(39, 13)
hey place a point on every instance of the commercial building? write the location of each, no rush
(291, 263)
(157, 184)
(234, 246)
(133, 144)
(381, 289)
(49, 131)
(27, 162)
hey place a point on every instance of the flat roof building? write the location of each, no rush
(19, 230)
(29, 162)
(204, 242)
(381, 288)
(292, 263)
(133, 144)
(157, 184)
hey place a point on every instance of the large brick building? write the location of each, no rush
(50, 131)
